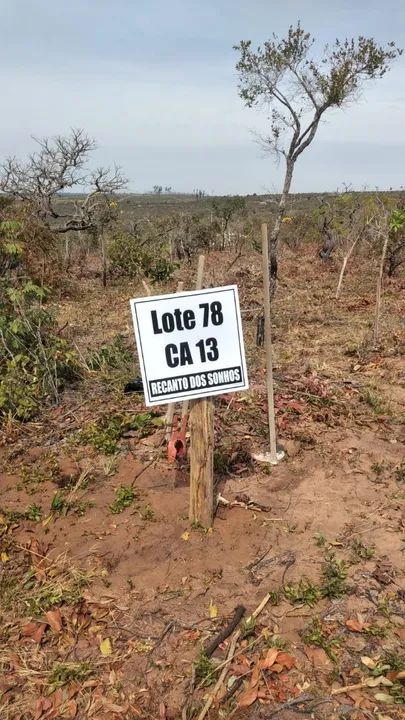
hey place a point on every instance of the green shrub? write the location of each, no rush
(115, 355)
(105, 434)
(131, 257)
(35, 361)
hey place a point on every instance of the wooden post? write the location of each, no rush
(202, 462)
(267, 339)
(201, 448)
(379, 290)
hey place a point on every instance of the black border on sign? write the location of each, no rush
(188, 394)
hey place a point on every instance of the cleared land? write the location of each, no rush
(108, 597)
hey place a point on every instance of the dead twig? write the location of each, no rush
(221, 679)
(151, 462)
(169, 627)
(302, 699)
(231, 692)
(258, 561)
(226, 632)
(248, 505)
(230, 656)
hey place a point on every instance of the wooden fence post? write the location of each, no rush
(202, 462)
(273, 456)
(201, 448)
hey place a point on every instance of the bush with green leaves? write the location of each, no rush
(131, 257)
(35, 360)
(396, 246)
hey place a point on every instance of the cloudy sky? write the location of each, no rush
(154, 82)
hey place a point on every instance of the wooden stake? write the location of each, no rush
(202, 462)
(379, 290)
(201, 448)
(200, 272)
(267, 339)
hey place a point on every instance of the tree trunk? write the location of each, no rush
(67, 250)
(329, 244)
(342, 272)
(103, 258)
(273, 240)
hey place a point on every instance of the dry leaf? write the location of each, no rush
(318, 657)
(42, 705)
(112, 707)
(270, 658)
(105, 647)
(213, 610)
(28, 629)
(368, 662)
(4, 557)
(70, 710)
(355, 625)
(385, 698)
(248, 697)
(54, 619)
(255, 677)
(73, 689)
(380, 680)
(57, 698)
(286, 660)
(39, 633)
(185, 535)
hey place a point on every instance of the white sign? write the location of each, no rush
(190, 344)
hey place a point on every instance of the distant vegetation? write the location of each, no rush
(61, 220)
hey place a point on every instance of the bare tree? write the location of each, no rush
(60, 164)
(298, 89)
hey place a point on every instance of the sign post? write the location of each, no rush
(190, 347)
(202, 462)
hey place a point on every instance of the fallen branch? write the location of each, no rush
(348, 688)
(231, 692)
(226, 632)
(302, 699)
(230, 656)
(248, 504)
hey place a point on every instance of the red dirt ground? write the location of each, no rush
(157, 589)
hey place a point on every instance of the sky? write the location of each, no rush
(154, 83)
